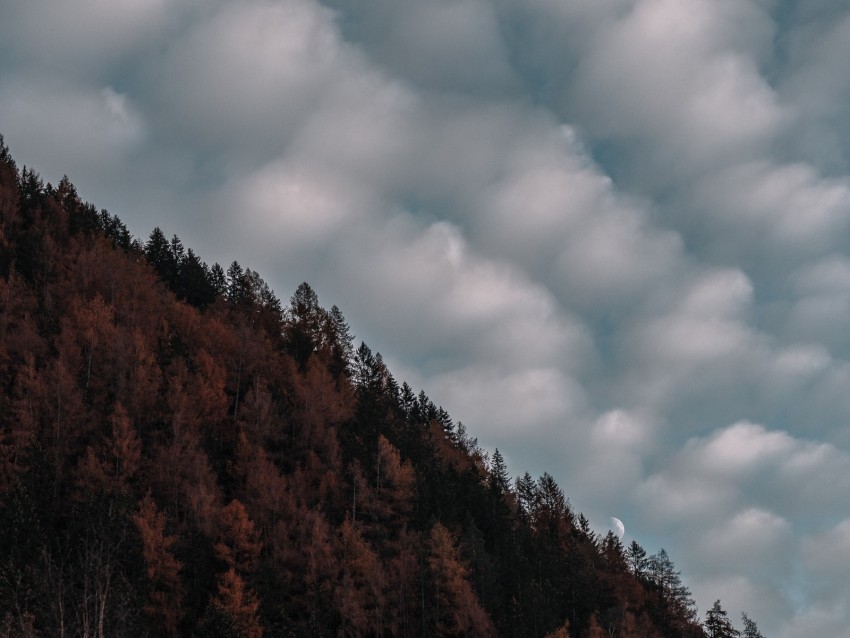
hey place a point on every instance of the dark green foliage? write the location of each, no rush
(751, 629)
(717, 624)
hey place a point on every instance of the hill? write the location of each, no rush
(183, 454)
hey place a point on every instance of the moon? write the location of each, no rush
(617, 527)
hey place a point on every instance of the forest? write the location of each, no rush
(183, 454)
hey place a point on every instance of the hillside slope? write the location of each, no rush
(180, 454)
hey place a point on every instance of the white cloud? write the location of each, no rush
(598, 232)
(246, 75)
(80, 127)
(685, 82)
(83, 38)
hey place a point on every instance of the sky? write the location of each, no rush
(610, 236)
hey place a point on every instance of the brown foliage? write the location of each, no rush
(238, 604)
(561, 632)
(161, 567)
(359, 592)
(238, 545)
(458, 611)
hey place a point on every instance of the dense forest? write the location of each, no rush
(181, 454)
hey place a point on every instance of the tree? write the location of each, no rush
(552, 516)
(561, 632)
(239, 545)
(594, 629)
(162, 568)
(358, 596)
(636, 558)
(458, 611)
(395, 482)
(236, 288)
(751, 629)
(717, 625)
(158, 252)
(218, 280)
(498, 479)
(612, 552)
(234, 609)
(303, 328)
(679, 606)
(340, 342)
(526, 491)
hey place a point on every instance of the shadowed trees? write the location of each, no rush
(181, 455)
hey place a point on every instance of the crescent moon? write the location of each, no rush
(617, 527)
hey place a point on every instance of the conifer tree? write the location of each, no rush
(717, 625)
(751, 629)
(636, 558)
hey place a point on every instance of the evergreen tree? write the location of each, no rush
(751, 629)
(499, 479)
(636, 558)
(303, 328)
(340, 342)
(717, 625)
(526, 490)
(237, 292)
(680, 608)
(218, 280)
(158, 252)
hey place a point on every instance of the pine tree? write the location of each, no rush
(717, 625)
(680, 608)
(636, 558)
(499, 478)
(751, 629)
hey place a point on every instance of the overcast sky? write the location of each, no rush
(610, 236)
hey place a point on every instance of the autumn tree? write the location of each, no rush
(561, 632)
(162, 568)
(233, 610)
(457, 610)
(359, 592)
(239, 545)
(114, 463)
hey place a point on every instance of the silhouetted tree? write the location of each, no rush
(717, 625)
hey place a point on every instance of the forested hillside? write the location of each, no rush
(183, 454)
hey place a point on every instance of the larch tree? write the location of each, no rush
(162, 568)
(238, 545)
(234, 609)
(457, 612)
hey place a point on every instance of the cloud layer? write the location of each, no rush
(609, 236)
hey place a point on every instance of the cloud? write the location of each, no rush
(89, 129)
(684, 75)
(609, 236)
(84, 39)
(243, 75)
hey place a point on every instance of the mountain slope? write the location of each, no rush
(182, 455)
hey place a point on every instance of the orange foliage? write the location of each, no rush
(161, 567)
(238, 545)
(238, 604)
(460, 613)
(561, 632)
(358, 596)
